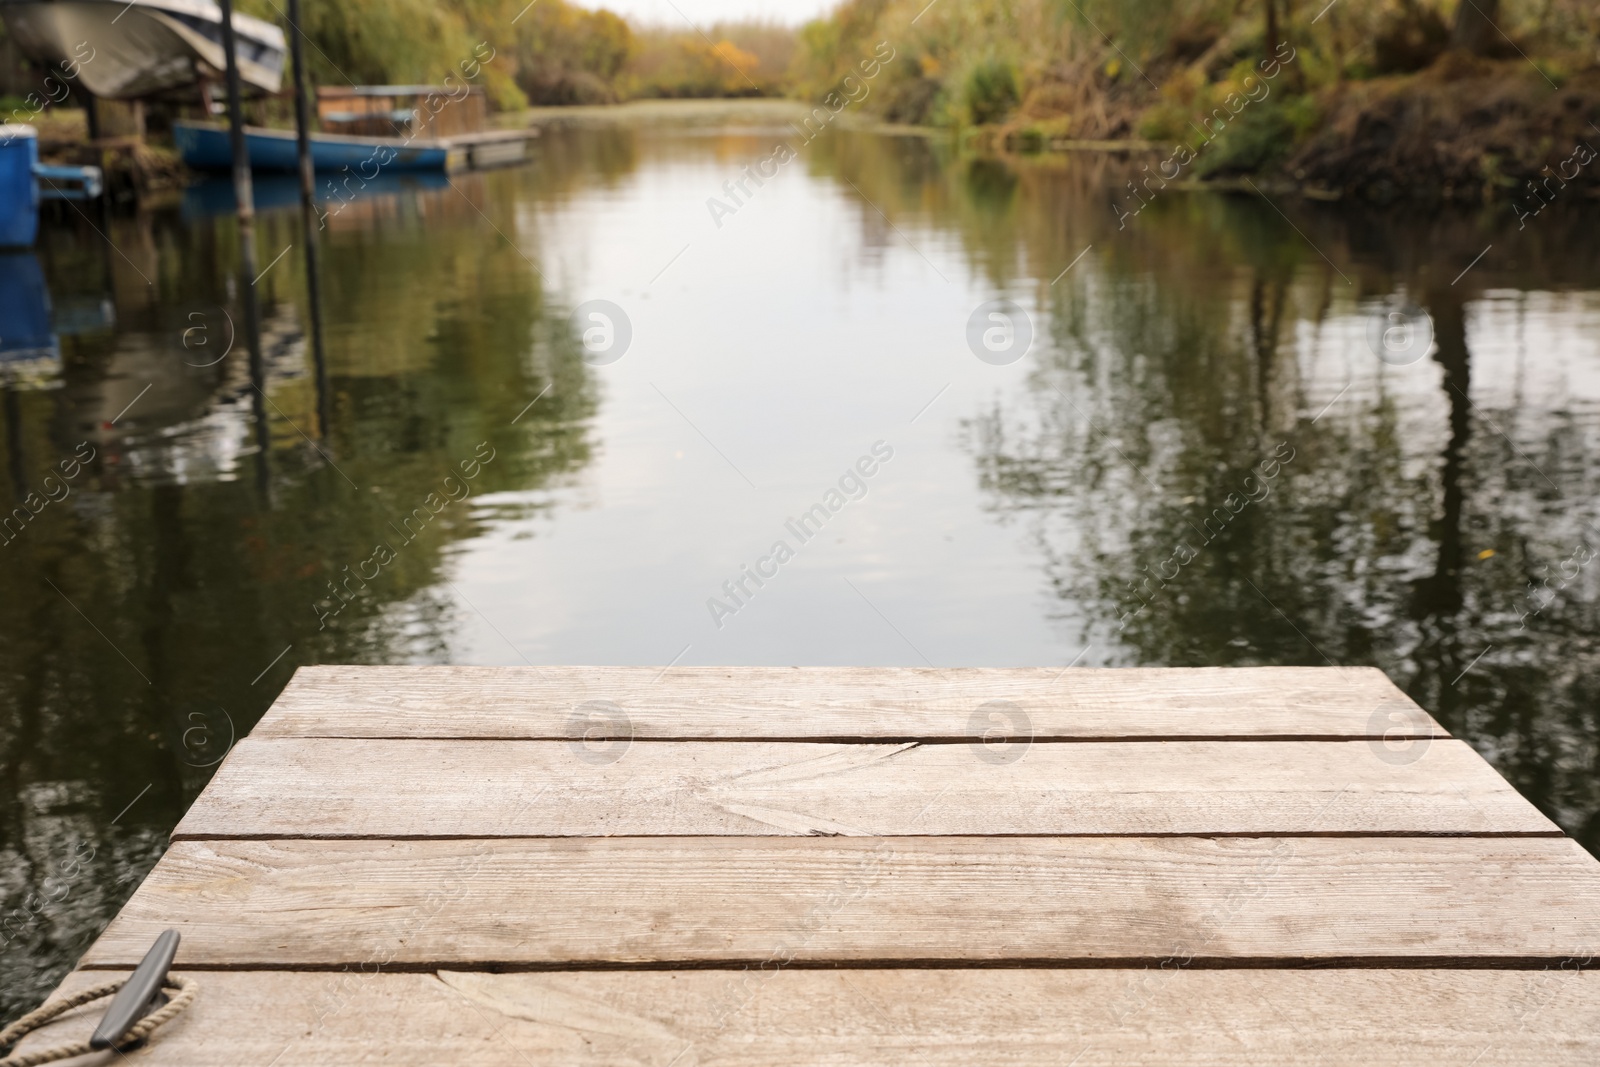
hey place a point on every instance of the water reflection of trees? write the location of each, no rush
(1406, 531)
(141, 615)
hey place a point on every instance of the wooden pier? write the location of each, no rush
(488, 148)
(542, 866)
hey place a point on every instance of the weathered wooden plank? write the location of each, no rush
(842, 703)
(786, 1018)
(559, 901)
(331, 787)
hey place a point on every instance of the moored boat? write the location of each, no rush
(128, 49)
(206, 146)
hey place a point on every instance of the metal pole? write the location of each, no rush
(241, 153)
(308, 210)
(245, 196)
(302, 105)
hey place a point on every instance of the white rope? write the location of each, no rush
(187, 989)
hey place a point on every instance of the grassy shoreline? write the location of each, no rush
(1376, 100)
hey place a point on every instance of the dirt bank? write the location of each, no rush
(1464, 129)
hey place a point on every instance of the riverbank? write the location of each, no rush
(715, 113)
(1465, 129)
(1367, 99)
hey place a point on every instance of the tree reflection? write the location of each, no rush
(1406, 530)
(153, 614)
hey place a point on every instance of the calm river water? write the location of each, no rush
(1225, 411)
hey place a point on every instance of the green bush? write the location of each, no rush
(990, 91)
(1259, 136)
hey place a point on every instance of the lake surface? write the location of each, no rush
(1225, 430)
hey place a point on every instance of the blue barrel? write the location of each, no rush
(18, 191)
(19, 195)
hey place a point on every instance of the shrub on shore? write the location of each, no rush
(1462, 97)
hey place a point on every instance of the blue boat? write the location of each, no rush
(206, 146)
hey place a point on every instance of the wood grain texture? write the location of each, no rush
(596, 901)
(815, 703)
(332, 787)
(941, 1018)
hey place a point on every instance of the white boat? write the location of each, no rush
(124, 50)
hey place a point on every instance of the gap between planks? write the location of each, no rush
(1562, 962)
(1357, 835)
(1576, 960)
(1396, 734)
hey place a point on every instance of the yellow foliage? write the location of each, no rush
(749, 59)
(737, 58)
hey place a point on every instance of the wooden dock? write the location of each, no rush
(542, 866)
(488, 148)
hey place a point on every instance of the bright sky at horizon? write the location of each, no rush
(706, 12)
